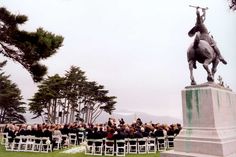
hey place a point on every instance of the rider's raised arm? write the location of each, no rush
(199, 19)
(203, 17)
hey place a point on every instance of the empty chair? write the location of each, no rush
(109, 147)
(120, 148)
(151, 145)
(132, 146)
(72, 139)
(142, 146)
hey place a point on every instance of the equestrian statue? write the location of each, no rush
(204, 48)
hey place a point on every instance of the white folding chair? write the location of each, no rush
(98, 146)
(72, 139)
(46, 145)
(65, 138)
(23, 143)
(5, 141)
(29, 147)
(133, 146)
(16, 144)
(170, 141)
(142, 146)
(120, 148)
(80, 137)
(57, 139)
(9, 143)
(161, 143)
(126, 145)
(109, 147)
(89, 147)
(151, 145)
(37, 144)
(4, 137)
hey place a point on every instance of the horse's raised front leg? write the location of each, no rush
(214, 67)
(191, 63)
(205, 65)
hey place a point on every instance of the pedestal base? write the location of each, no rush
(209, 123)
(173, 153)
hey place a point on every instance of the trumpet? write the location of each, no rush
(197, 7)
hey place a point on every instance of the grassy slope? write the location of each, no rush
(4, 153)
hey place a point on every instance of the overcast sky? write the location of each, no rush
(135, 48)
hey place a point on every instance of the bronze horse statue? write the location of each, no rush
(203, 49)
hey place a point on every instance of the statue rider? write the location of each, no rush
(204, 34)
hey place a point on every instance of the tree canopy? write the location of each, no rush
(61, 99)
(232, 4)
(11, 108)
(26, 48)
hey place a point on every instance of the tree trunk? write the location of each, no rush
(91, 116)
(58, 112)
(94, 112)
(48, 112)
(96, 115)
(67, 112)
(79, 113)
(54, 110)
(71, 115)
(3, 115)
(63, 113)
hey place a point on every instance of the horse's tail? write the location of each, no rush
(196, 40)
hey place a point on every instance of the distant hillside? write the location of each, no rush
(130, 116)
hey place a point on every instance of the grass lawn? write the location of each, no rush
(4, 153)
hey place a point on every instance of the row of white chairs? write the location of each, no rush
(28, 144)
(128, 146)
(73, 139)
(70, 139)
(3, 138)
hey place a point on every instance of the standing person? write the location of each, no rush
(122, 122)
(110, 122)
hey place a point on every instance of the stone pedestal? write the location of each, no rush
(209, 123)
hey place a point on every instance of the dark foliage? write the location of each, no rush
(26, 48)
